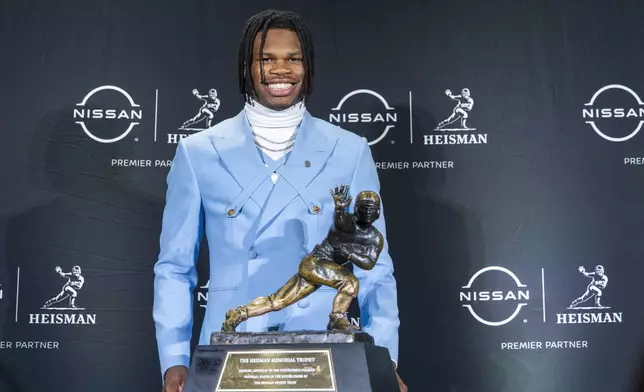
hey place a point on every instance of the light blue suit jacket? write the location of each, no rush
(258, 232)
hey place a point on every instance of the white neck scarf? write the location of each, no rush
(274, 130)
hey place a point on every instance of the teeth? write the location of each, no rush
(279, 86)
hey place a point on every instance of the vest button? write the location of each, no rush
(252, 254)
(316, 209)
(231, 212)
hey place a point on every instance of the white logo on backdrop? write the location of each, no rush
(592, 113)
(588, 307)
(475, 296)
(595, 289)
(84, 114)
(206, 111)
(69, 292)
(389, 118)
(461, 111)
(63, 308)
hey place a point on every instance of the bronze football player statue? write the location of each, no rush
(351, 239)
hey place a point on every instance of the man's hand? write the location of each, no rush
(174, 378)
(341, 196)
(401, 384)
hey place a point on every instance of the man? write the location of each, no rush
(258, 186)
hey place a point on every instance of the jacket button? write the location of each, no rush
(316, 209)
(252, 254)
(231, 212)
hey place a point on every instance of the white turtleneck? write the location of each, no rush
(274, 130)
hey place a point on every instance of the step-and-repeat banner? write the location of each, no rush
(507, 137)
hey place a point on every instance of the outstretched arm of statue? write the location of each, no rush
(342, 219)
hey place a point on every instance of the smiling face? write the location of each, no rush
(283, 69)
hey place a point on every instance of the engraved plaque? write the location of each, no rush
(277, 370)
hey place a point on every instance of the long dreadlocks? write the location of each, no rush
(261, 23)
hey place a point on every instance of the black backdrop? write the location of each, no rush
(545, 177)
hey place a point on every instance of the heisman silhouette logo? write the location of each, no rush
(598, 282)
(63, 309)
(205, 115)
(206, 112)
(70, 290)
(461, 111)
(461, 132)
(591, 312)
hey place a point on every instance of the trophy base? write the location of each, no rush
(290, 337)
(333, 361)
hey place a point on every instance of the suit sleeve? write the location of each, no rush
(377, 295)
(175, 274)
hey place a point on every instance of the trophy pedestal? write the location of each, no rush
(291, 361)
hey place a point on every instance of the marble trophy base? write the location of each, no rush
(333, 361)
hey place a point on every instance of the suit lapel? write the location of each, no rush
(307, 159)
(241, 158)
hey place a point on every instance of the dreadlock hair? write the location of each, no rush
(261, 22)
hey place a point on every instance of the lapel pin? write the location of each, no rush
(307, 163)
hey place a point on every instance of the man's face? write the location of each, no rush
(367, 212)
(283, 69)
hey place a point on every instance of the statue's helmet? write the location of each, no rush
(368, 197)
